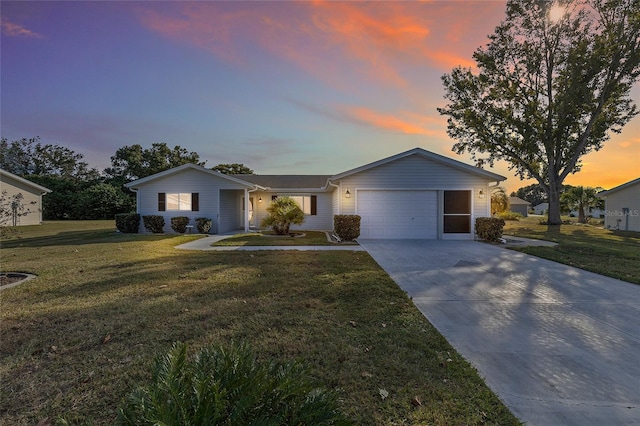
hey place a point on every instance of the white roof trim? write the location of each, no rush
(429, 155)
(25, 181)
(294, 190)
(145, 180)
(618, 188)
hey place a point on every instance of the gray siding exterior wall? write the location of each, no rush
(186, 181)
(419, 173)
(229, 218)
(322, 221)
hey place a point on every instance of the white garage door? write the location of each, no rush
(398, 214)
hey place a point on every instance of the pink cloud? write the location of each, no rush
(11, 29)
(330, 40)
(406, 123)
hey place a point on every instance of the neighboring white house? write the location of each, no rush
(415, 194)
(518, 205)
(542, 208)
(622, 206)
(32, 198)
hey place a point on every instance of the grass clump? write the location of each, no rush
(229, 386)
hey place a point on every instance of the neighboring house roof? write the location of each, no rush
(619, 187)
(35, 186)
(426, 154)
(285, 182)
(518, 201)
(137, 183)
(541, 206)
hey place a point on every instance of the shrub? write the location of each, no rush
(221, 386)
(283, 212)
(179, 224)
(203, 224)
(509, 216)
(489, 228)
(347, 227)
(128, 223)
(153, 223)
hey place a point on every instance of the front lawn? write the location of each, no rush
(612, 253)
(308, 238)
(78, 338)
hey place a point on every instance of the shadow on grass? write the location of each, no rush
(72, 238)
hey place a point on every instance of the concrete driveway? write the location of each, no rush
(558, 345)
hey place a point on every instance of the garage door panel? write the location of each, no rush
(397, 214)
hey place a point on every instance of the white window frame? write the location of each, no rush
(303, 201)
(178, 201)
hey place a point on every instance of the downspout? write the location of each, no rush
(339, 198)
(40, 209)
(137, 198)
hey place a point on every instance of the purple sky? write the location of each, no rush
(283, 87)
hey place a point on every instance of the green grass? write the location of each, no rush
(612, 253)
(310, 238)
(82, 335)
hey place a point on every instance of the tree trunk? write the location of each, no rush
(582, 218)
(554, 202)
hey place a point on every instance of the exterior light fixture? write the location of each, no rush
(259, 199)
(481, 194)
(347, 193)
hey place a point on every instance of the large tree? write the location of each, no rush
(29, 157)
(533, 193)
(233, 169)
(551, 85)
(134, 162)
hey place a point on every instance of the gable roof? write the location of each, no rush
(619, 187)
(287, 181)
(428, 155)
(518, 201)
(145, 180)
(35, 186)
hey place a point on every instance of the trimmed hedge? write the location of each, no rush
(153, 223)
(179, 224)
(489, 228)
(204, 224)
(128, 223)
(347, 227)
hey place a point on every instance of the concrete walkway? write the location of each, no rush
(205, 244)
(558, 345)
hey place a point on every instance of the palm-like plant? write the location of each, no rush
(283, 212)
(229, 386)
(499, 200)
(582, 199)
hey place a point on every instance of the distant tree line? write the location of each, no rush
(81, 192)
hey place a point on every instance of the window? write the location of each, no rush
(307, 203)
(181, 201)
(457, 212)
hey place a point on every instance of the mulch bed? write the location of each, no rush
(10, 278)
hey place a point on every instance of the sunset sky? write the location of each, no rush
(283, 87)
